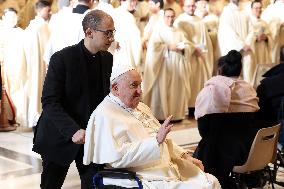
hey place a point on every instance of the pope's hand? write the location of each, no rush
(79, 137)
(164, 130)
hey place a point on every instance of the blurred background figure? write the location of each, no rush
(36, 37)
(167, 69)
(13, 66)
(202, 60)
(127, 34)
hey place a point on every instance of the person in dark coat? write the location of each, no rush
(77, 80)
(271, 98)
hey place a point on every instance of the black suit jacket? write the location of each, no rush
(65, 102)
(270, 92)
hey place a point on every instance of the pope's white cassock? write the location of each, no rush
(274, 16)
(232, 35)
(201, 66)
(166, 73)
(128, 36)
(261, 49)
(122, 137)
(14, 72)
(36, 37)
(65, 30)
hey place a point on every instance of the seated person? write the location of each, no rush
(226, 92)
(225, 112)
(270, 93)
(123, 133)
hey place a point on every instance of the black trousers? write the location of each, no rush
(53, 174)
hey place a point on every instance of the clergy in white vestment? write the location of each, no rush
(167, 70)
(216, 6)
(274, 16)
(156, 18)
(211, 21)
(13, 66)
(123, 133)
(36, 37)
(142, 14)
(156, 11)
(245, 6)
(202, 60)
(127, 34)
(260, 36)
(232, 35)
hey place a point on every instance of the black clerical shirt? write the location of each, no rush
(94, 69)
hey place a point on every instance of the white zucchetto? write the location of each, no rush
(119, 69)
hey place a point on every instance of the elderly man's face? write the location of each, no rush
(129, 89)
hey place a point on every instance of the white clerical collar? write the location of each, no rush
(118, 102)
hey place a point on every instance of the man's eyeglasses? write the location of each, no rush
(108, 33)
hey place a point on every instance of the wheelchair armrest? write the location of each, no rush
(117, 174)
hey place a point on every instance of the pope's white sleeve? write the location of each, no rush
(138, 153)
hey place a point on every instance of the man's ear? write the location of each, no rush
(89, 33)
(114, 88)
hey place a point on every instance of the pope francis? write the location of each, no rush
(123, 133)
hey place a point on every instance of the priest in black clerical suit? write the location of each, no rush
(77, 80)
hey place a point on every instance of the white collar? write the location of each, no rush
(116, 100)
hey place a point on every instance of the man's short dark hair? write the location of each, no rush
(255, 1)
(159, 1)
(93, 19)
(168, 9)
(230, 65)
(41, 4)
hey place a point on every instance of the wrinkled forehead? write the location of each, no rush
(132, 76)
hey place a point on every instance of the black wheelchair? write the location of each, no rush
(115, 174)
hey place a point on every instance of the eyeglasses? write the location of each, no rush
(107, 33)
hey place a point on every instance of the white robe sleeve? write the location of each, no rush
(138, 153)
